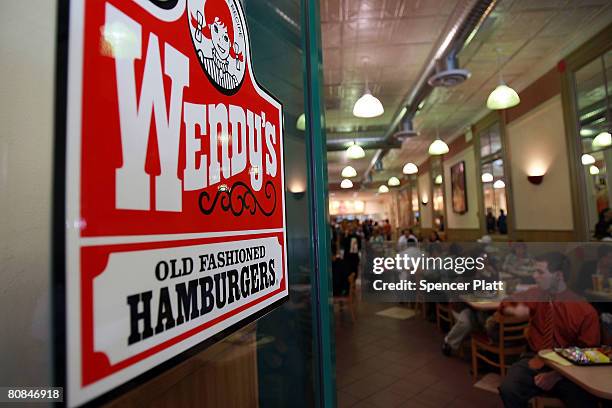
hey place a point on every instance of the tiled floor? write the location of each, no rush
(385, 362)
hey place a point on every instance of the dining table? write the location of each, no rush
(595, 380)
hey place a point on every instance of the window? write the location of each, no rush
(493, 180)
(593, 90)
(438, 194)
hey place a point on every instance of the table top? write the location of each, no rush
(596, 380)
(480, 305)
(603, 295)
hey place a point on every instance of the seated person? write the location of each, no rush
(466, 319)
(407, 238)
(518, 262)
(558, 318)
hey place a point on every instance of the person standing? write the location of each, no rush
(351, 244)
(502, 224)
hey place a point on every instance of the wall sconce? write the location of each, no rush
(298, 195)
(424, 200)
(535, 179)
(297, 189)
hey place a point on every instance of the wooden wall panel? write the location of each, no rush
(545, 236)
(463, 235)
(224, 375)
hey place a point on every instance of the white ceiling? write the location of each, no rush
(388, 41)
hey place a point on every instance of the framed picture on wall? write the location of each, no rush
(459, 194)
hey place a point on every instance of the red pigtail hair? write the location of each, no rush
(233, 54)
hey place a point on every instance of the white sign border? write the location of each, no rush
(74, 393)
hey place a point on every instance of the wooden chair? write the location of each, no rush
(444, 313)
(419, 305)
(511, 342)
(546, 402)
(350, 298)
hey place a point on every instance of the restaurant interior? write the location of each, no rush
(488, 124)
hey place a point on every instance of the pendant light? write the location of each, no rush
(594, 170)
(438, 179)
(486, 177)
(393, 181)
(301, 122)
(502, 97)
(438, 147)
(355, 151)
(499, 184)
(604, 139)
(587, 159)
(346, 183)
(368, 106)
(349, 172)
(383, 189)
(410, 168)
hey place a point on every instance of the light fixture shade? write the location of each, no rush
(393, 181)
(346, 183)
(368, 106)
(594, 170)
(587, 159)
(438, 179)
(604, 139)
(438, 147)
(486, 177)
(355, 152)
(410, 168)
(348, 172)
(586, 132)
(301, 122)
(383, 189)
(499, 184)
(503, 97)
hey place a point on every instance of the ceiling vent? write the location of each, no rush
(406, 131)
(448, 74)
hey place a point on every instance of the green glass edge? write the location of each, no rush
(323, 323)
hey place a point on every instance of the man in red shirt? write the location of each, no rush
(557, 318)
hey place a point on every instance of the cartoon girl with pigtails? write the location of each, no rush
(217, 26)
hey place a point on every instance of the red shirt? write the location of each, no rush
(566, 320)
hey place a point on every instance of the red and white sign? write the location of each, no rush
(175, 207)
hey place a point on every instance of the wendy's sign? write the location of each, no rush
(174, 191)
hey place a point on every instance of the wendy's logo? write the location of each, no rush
(220, 39)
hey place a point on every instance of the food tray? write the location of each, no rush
(577, 356)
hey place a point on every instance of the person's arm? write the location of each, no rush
(517, 306)
(590, 332)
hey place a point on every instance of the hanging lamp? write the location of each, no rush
(393, 181)
(502, 97)
(349, 171)
(383, 189)
(346, 183)
(486, 177)
(499, 184)
(355, 151)
(410, 168)
(367, 106)
(587, 159)
(300, 124)
(438, 146)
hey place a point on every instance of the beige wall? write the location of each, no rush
(424, 183)
(537, 143)
(469, 220)
(27, 46)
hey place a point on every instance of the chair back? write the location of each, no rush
(511, 329)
